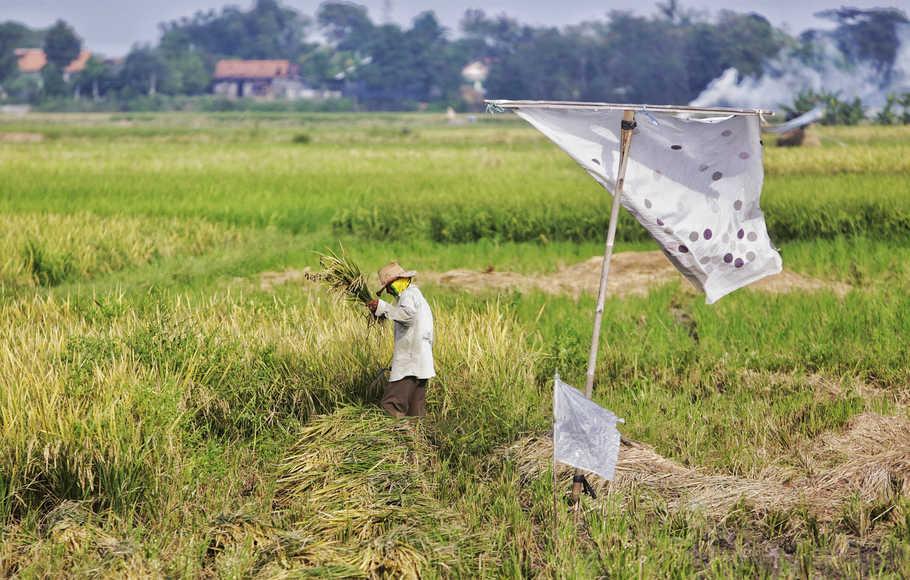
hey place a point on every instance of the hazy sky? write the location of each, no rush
(112, 26)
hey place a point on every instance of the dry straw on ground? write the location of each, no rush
(268, 280)
(19, 137)
(631, 274)
(871, 458)
(74, 532)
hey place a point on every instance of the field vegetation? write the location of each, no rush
(164, 412)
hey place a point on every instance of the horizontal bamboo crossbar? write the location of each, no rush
(507, 104)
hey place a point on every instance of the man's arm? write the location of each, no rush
(403, 313)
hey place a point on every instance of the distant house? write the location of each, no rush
(474, 74)
(263, 79)
(33, 60)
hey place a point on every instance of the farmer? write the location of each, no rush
(412, 358)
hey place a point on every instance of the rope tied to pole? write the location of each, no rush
(493, 108)
(650, 117)
(587, 488)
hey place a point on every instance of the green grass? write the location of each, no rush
(161, 414)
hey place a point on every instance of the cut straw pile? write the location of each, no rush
(870, 459)
(77, 539)
(278, 553)
(360, 487)
(640, 466)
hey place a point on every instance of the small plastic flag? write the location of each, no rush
(584, 433)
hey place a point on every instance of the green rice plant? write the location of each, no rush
(59, 441)
(301, 139)
(375, 223)
(520, 187)
(246, 371)
(486, 391)
(800, 207)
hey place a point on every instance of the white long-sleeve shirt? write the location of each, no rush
(413, 353)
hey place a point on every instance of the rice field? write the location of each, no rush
(179, 398)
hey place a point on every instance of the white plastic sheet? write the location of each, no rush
(584, 433)
(694, 184)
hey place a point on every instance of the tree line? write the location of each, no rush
(667, 57)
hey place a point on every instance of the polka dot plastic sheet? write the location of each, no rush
(694, 184)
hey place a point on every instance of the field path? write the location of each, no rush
(631, 274)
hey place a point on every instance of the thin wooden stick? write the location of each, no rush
(555, 481)
(628, 124)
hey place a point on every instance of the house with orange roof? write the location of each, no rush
(263, 79)
(33, 60)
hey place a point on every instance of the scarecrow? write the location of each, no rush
(412, 358)
(694, 177)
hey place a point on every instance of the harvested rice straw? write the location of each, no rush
(680, 486)
(345, 278)
(280, 550)
(360, 479)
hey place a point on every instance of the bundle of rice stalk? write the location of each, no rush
(344, 277)
(362, 479)
(226, 530)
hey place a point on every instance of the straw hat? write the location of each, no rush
(391, 272)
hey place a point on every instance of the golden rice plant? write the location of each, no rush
(49, 249)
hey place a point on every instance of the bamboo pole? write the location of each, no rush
(555, 532)
(628, 124)
(577, 105)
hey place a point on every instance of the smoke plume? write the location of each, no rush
(820, 64)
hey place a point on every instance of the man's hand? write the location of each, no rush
(372, 304)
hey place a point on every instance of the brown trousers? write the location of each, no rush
(405, 397)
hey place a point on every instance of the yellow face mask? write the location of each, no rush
(399, 285)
